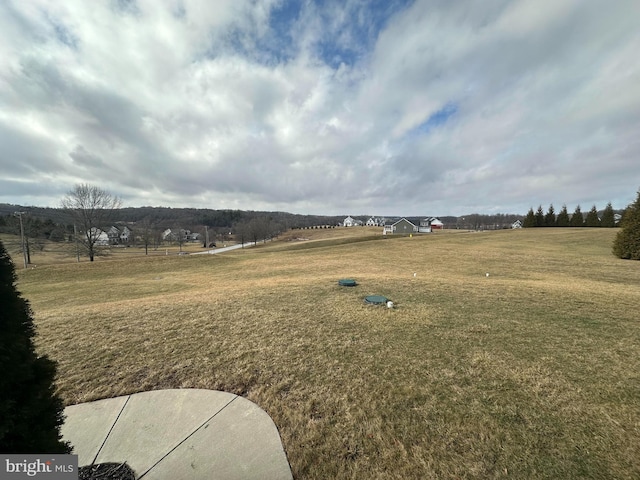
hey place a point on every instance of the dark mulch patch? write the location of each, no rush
(106, 471)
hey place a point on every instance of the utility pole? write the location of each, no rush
(75, 238)
(206, 236)
(24, 249)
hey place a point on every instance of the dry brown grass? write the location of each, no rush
(528, 373)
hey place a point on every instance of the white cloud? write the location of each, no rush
(195, 104)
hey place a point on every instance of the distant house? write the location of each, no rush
(425, 226)
(429, 224)
(516, 224)
(101, 237)
(616, 218)
(118, 236)
(351, 222)
(167, 235)
(125, 235)
(400, 227)
(114, 235)
(180, 235)
(375, 222)
(435, 223)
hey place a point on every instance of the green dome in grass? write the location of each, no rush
(375, 299)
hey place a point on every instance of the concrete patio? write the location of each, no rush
(179, 434)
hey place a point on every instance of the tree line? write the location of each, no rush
(89, 212)
(577, 219)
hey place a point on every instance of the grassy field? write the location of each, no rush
(46, 252)
(531, 372)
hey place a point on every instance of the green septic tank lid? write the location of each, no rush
(346, 282)
(376, 299)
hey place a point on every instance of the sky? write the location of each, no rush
(377, 107)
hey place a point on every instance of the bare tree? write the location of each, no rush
(90, 207)
(241, 231)
(146, 234)
(255, 229)
(179, 237)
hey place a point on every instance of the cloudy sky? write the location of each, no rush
(323, 107)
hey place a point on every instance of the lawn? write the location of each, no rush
(530, 372)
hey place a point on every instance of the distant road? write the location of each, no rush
(225, 249)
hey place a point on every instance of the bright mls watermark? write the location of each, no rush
(50, 467)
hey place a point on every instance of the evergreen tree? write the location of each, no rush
(562, 220)
(530, 219)
(540, 217)
(608, 220)
(577, 219)
(622, 214)
(627, 242)
(592, 219)
(30, 413)
(550, 217)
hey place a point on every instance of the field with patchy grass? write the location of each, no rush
(45, 252)
(531, 372)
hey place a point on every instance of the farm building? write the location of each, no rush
(435, 223)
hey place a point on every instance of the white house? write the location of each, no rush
(516, 224)
(352, 222)
(425, 226)
(375, 222)
(100, 237)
